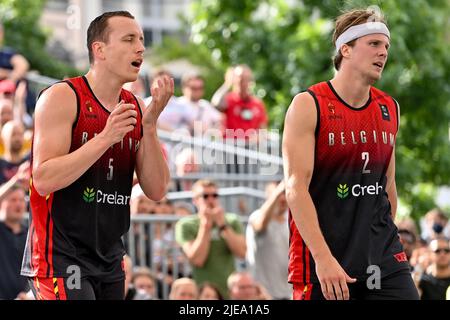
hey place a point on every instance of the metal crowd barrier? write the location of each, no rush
(239, 200)
(162, 255)
(215, 157)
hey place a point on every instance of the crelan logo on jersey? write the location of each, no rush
(343, 190)
(88, 195)
(91, 195)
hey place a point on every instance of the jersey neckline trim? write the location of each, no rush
(346, 104)
(95, 97)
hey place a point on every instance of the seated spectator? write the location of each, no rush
(209, 291)
(242, 286)
(184, 289)
(7, 115)
(408, 224)
(17, 97)
(434, 283)
(13, 235)
(268, 243)
(434, 225)
(211, 239)
(6, 109)
(144, 283)
(12, 136)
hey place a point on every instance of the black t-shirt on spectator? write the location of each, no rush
(433, 288)
(9, 169)
(11, 253)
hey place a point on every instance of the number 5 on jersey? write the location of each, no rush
(109, 175)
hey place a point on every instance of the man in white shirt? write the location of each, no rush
(203, 115)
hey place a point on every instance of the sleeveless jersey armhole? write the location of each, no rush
(397, 110)
(76, 95)
(316, 102)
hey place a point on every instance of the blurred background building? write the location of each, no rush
(69, 19)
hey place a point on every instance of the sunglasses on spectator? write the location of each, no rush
(443, 250)
(207, 195)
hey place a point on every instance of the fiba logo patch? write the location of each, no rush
(332, 111)
(89, 109)
(331, 108)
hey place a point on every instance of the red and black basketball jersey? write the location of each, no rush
(82, 225)
(348, 187)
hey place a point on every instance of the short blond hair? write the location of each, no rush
(180, 282)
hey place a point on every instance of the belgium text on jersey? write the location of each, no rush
(362, 137)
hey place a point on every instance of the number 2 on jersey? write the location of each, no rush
(365, 157)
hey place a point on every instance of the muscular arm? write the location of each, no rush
(151, 167)
(391, 187)
(54, 167)
(298, 160)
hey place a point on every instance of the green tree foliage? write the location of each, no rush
(288, 45)
(23, 33)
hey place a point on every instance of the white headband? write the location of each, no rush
(361, 30)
